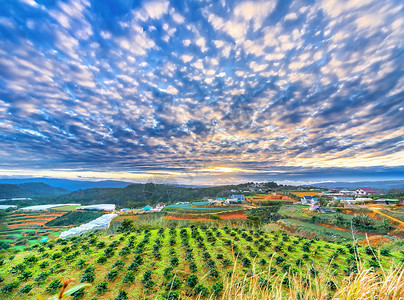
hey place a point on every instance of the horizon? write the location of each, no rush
(202, 93)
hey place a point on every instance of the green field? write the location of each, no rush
(318, 231)
(149, 263)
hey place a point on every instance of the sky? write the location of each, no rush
(202, 92)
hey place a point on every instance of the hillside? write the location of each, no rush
(187, 261)
(137, 195)
(68, 184)
(30, 189)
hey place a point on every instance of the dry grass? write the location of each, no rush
(366, 284)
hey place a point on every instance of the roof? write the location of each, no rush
(147, 207)
(367, 189)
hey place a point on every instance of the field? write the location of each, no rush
(25, 228)
(302, 194)
(179, 261)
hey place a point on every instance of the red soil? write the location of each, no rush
(186, 219)
(235, 215)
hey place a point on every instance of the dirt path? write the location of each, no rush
(377, 210)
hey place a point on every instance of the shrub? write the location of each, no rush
(112, 275)
(24, 275)
(54, 286)
(279, 260)
(193, 267)
(217, 288)
(201, 290)
(146, 276)
(167, 273)
(78, 294)
(129, 277)
(174, 261)
(246, 262)
(26, 289)
(101, 287)
(192, 280)
(9, 287)
(87, 277)
(173, 284)
(118, 264)
(122, 295)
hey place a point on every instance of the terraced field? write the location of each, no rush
(21, 228)
(186, 262)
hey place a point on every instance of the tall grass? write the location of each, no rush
(365, 284)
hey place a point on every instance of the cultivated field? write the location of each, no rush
(181, 261)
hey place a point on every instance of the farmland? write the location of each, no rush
(24, 228)
(186, 261)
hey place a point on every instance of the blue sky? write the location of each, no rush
(202, 91)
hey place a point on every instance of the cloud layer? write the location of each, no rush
(178, 86)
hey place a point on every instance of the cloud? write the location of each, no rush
(243, 85)
(152, 9)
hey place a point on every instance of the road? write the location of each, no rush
(377, 210)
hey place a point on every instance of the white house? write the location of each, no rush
(363, 191)
(309, 200)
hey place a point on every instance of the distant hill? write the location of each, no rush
(384, 185)
(71, 185)
(137, 195)
(30, 189)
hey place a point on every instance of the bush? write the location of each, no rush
(122, 295)
(193, 267)
(173, 284)
(54, 286)
(217, 288)
(201, 290)
(9, 287)
(174, 261)
(87, 277)
(246, 262)
(102, 287)
(26, 289)
(192, 280)
(112, 275)
(78, 294)
(129, 277)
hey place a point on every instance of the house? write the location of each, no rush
(309, 200)
(320, 209)
(147, 208)
(124, 209)
(365, 191)
(387, 201)
(161, 205)
(238, 197)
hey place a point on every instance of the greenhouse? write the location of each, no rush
(102, 222)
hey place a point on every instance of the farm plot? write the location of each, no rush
(22, 227)
(178, 261)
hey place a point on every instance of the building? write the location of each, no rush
(309, 200)
(387, 201)
(161, 205)
(238, 197)
(147, 208)
(106, 207)
(363, 191)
